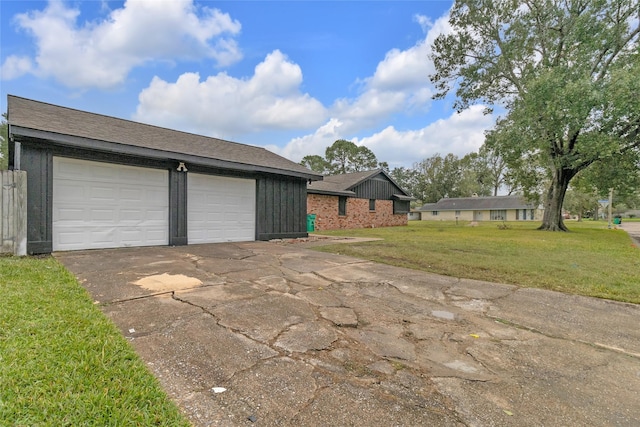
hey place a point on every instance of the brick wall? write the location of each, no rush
(358, 215)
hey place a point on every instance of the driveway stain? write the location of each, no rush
(302, 338)
(168, 282)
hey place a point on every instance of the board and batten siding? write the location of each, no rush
(38, 163)
(13, 212)
(281, 208)
(281, 202)
(376, 188)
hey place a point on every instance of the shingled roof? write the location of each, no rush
(343, 184)
(478, 203)
(75, 128)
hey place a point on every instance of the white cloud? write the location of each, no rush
(225, 106)
(102, 53)
(400, 83)
(15, 66)
(459, 134)
(314, 143)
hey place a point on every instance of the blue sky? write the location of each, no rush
(291, 76)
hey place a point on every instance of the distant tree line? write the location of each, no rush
(486, 173)
(429, 180)
(482, 173)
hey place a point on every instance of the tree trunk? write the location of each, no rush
(552, 219)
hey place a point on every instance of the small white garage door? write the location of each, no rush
(104, 205)
(220, 209)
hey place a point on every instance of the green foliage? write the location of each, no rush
(62, 362)
(315, 163)
(437, 177)
(407, 179)
(343, 157)
(568, 74)
(580, 200)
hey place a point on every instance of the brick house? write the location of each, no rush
(357, 200)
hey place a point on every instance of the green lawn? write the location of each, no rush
(590, 260)
(62, 362)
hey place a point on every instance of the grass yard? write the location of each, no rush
(590, 260)
(62, 362)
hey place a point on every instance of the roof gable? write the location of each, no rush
(53, 122)
(345, 184)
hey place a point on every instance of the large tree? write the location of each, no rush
(438, 177)
(344, 157)
(315, 163)
(566, 72)
(407, 179)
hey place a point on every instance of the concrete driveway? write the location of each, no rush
(267, 334)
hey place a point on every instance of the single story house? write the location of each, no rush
(357, 200)
(497, 208)
(95, 181)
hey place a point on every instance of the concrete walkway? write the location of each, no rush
(273, 334)
(633, 229)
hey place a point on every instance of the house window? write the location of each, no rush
(342, 205)
(401, 206)
(457, 213)
(372, 204)
(434, 213)
(498, 215)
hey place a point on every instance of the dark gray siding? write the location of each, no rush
(38, 163)
(281, 208)
(377, 187)
(177, 208)
(281, 202)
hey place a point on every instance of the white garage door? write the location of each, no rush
(220, 209)
(103, 205)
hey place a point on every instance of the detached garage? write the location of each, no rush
(95, 181)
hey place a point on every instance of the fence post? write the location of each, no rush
(13, 212)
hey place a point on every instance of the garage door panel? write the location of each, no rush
(99, 205)
(220, 209)
(102, 215)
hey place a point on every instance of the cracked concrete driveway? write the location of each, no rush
(265, 333)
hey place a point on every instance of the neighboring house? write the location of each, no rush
(498, 208)
(95, 181)
(414, 215)
(357, 200)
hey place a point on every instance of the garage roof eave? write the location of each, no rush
(331, 192)
(402, 197)
(151, 153)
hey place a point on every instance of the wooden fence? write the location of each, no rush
(13, 212)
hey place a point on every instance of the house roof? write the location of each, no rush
(343, 184)
(70, 127)
(478, 203)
